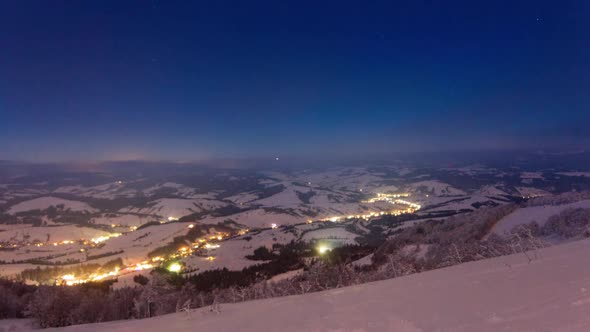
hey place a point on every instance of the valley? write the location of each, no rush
(93, 226)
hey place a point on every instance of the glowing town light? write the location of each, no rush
(323, 249)
(274, 226)
(142, 266)
(68, 277)
(175, 267)
(210, 258)
(211, 246)
(309, 221)
(172, 219)
(191, 226)
(334, 219)
(100, 239)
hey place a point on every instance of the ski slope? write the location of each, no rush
(551, 293)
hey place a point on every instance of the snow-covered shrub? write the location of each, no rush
(570, 223)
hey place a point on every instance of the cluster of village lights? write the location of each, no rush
(176, 267)
(389, 198)
(70, 279)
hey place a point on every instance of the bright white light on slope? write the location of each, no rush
(175, 267)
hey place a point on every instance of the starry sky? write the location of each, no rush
(192, 80)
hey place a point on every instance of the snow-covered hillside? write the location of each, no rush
(506, 293)
(174, 207)
(539, 214)
(436, 188)
(145, 208)
(43, 203)
(55, 233)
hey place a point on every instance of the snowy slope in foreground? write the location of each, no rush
(501, 294)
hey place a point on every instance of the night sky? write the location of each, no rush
(190, 80)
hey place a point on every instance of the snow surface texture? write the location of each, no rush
(57, 233)
(531, 191)
(338, 234)
(507, 293)
(540, 214)
(43, 203)
(584, 174)
(175, 207)
(436, 188)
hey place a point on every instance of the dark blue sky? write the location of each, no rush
(189, 80)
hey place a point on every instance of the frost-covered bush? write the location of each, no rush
(570, 223)
(461, 233)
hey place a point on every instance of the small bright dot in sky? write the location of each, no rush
(277, 158)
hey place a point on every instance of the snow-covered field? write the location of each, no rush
(531, 191)
(258, 218)
(437, 188)
(55, 233)
(531, 175)
(43, 203)
(11, 270)
(122, 219)
(338, 234)
(507, 293)
(583, 174)
(175, 207)
(137, 244)
(106, 191)
(540, 214)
